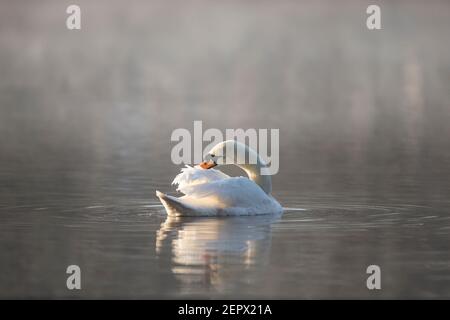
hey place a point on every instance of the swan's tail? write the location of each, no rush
(174, 206)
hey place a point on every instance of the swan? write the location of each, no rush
(210, 192)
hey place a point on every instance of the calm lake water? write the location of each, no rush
(85, 124)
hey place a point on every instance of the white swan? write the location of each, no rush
(213, 193)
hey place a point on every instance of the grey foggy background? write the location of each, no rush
(86, 118)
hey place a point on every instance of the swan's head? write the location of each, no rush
(230, 152)
(237, 153)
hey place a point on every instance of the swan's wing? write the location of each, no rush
(193, 176)
(232, 196)
(211, 192)
(231, 192)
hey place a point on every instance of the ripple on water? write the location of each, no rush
(360, 217)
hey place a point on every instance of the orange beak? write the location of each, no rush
(208, 164)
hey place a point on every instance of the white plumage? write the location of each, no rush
(209, 192)
(213, 193)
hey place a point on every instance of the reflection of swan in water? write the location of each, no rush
(212, 253)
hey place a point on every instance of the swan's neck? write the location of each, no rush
(254, 173)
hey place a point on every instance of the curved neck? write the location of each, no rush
(254, 173)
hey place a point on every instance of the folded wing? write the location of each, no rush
(211, 192)
(193, 176)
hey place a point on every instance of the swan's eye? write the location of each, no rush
(212, 156)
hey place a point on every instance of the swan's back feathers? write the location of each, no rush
(211, 192)
(230, 191)
(192, 176)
